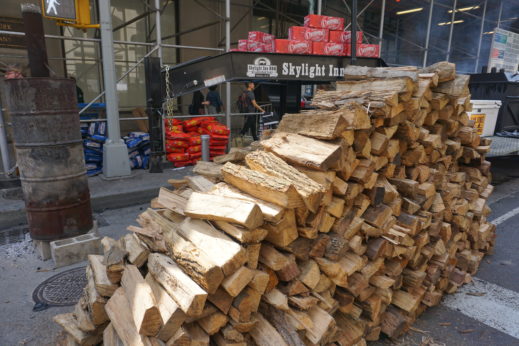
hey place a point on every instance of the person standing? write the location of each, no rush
(79, 92)
(215, 104)
(247, 104)
(197, 104)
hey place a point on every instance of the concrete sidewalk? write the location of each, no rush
(139, 188)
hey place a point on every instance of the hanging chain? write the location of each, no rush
(169, 104)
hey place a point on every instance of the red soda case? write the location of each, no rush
(368, 50)
(324, 22)
(344, 36)
(293, 46)
(243, 45)
(301, 33)
(329, 48)
(261, 37)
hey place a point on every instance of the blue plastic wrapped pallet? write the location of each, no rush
(94, 137)
(138, 144)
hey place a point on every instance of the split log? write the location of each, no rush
(260, 185)
(303, 151)
(186, 293)
(218, 208)
(143, 307)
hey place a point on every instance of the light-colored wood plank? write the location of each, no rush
(271, 212)
(143, 306)
(119, 311)
(235, 283)
(186, 293)
(226, 253)
(310, 191)
(264, 334)
(171, 313)
(213, 207)
(303, 151)
(202, 268)
(263, 186)
(103, 285)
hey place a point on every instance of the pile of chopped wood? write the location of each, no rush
(352, 220)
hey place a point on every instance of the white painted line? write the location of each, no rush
(506, 216)
(498, 308)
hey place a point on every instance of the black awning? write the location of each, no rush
(201, 73)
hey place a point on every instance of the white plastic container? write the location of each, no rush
(484, 113)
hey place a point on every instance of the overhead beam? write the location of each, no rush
(200, 27)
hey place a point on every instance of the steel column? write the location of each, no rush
(482, 29)
(227, 48)
(158, 30)
(319, 7)
(4, 148)
(354, 32)
(381, 29)
(500, 13)
(115, 152)
(451, 30)
(428, 35)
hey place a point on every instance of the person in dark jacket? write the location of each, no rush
(214, 102)
(197, 104)
(250, 106)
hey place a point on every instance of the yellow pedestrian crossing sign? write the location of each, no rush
(60, 9)
(74, 13)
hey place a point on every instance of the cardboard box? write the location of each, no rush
(293, 46)
(243, 45)
(368, 50)
(301, 33)
(344, 36)
(260, 47)
(330, 48)
(324, 22)
(260, 36)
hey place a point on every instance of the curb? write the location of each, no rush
(17, 217)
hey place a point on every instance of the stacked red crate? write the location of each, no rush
(320, 35)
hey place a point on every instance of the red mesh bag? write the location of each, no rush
(175, 157)
(182, 163)
(194, 149)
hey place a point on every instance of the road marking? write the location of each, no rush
(506, 216)
(498, 308)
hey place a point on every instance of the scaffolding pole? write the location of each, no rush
(115, 152)
(158, 30)
(227, 48)
(4, 148)
(482, 29)
(500, 13)
(381, 29)
(451, 30)
(428, 35)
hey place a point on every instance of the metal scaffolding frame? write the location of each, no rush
(156, 44)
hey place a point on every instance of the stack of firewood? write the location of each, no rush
(353, 219)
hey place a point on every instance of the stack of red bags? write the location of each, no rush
(320, 35)
(184, 144)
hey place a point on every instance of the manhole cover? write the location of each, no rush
(62, 289)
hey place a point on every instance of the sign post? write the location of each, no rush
(115, 152)
(35, 40)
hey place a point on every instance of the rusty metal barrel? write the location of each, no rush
(50, 156)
